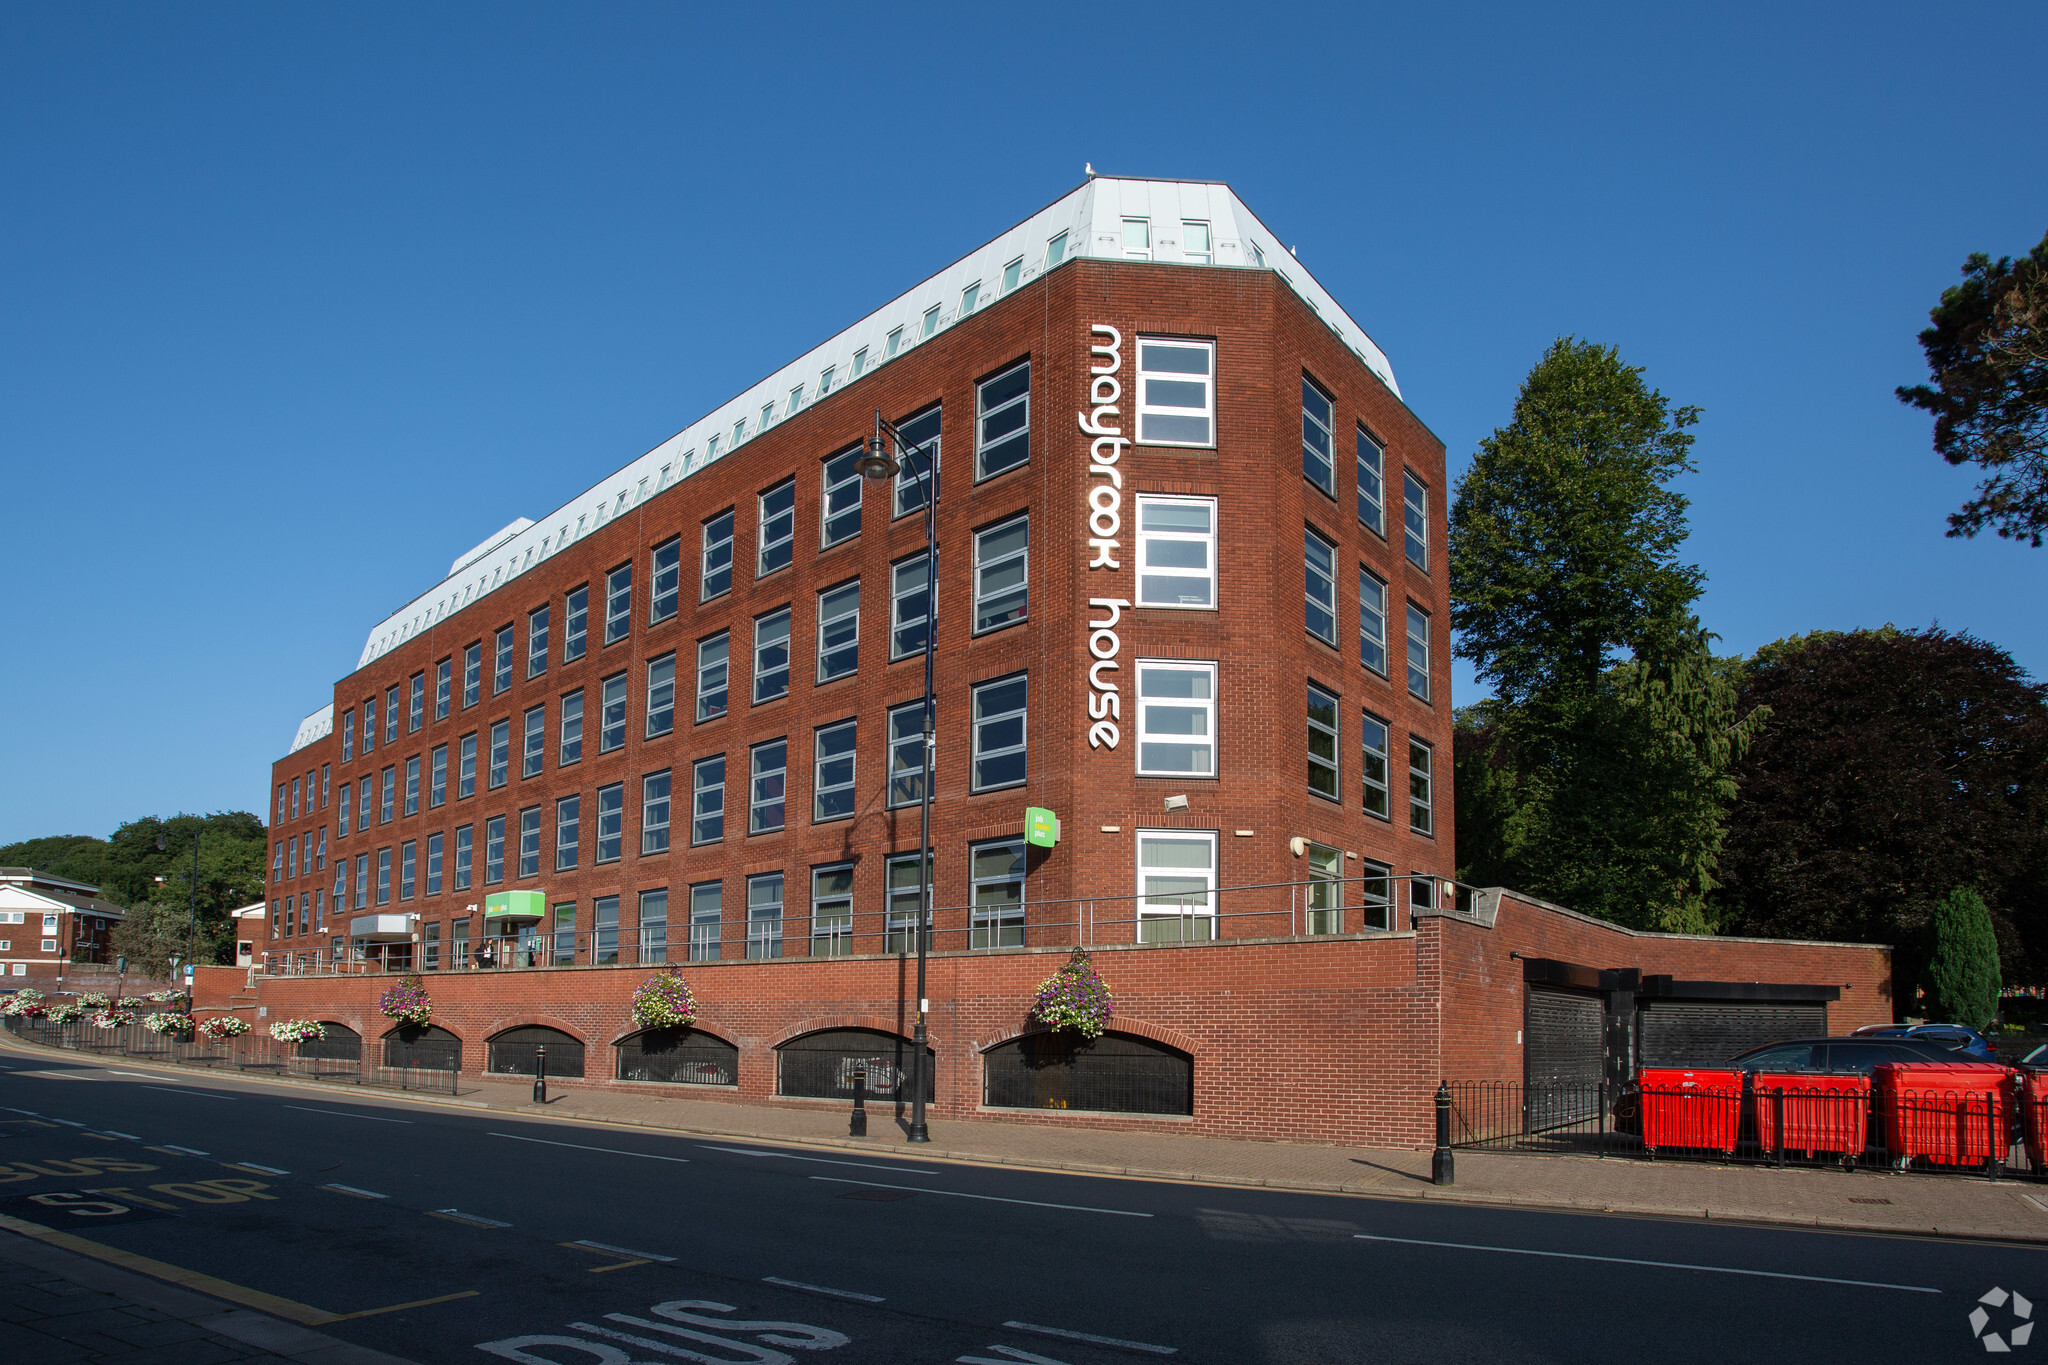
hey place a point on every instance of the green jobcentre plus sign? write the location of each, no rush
(1041, 827)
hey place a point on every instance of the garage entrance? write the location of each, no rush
(1709, 1032)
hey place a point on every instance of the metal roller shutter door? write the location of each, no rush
(1561, 1038)
(1709, 1032)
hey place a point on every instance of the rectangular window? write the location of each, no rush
(1319, 587)
(906, 754)
(654, 813)
(1322, 743)
(1176, 885)
(362, 880)
(665, 580)
(384, 876)
(1176, 392)
(529, 842)
(894, 343)
(391, 715)
(860, 362)
(930, 324)
(1372, 460)
(536, 642)
(611, 822)
(387, 798)
(707, 800)
(341, 818)
(501, 753)
(458, 942)
(1325, 908)
(1194, 243)
(707, 920)
(437, 777)
(1418, 652)
(501, 661)
(363, 807)
(713, 671)
(348, 734)
(416, 704)
(444, 688)
(771, 656)
(715, 574)
(568, 832)
(565, 934)
(408, 865)
(1421, 895)
(1372, 621)
(534, 743)
(1013, 273)
(1055, 250)
(997, 871)
(839, 631)
(1176, 552)
(291, 858)
(322, 854)
(465, 768)
(412, 785)
(618, 603)
(832, 911)
(661, 695)
(571, 740)
(494, 849)
(653, 925)
(369, 724)
(1318, 438)
(1415, 520)
(832, 794)
(904, 895)
(1176, 719)
(1003, 431)
(472, 673)
(1375, 892)
(611, 719)
(1002, 574)
(1138, 239)
(918, 454)
(764, 915)
(910, 607)
(840, 506)
(968, 298)
(999, 733)
(777, 534)
(430, 947)
(1421, 799)
(465, 850)
(1373, 762)
(768, 786)
(575, 624)
(295, 798)
(604, 929)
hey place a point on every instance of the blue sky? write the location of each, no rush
(299, 301)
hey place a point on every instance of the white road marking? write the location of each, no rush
(188, 1151)
(821, 1289)
(1660, 1265)
(197, 1094)
(343, 1113)
(821, 1160)
(459, 1216)
(1090, 1336)
(68, 1123)
(146, 1075)
(615, 1151)
(1009, 1353)
(626, 1251)
(111, 1133)
(991, 1198)
(59, 1076)
(252, 1166)
(360, 1194)
(2031, 1200)
(30, 1112)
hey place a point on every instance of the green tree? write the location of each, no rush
(1598, 775)
(1962, 978)
(1988, 354)
(149, 935)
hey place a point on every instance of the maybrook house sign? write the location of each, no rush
(1105, 524)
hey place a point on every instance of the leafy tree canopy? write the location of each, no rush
(1988, 354)
(1898, 765)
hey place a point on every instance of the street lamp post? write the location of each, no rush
(192, 925)
(878, 466)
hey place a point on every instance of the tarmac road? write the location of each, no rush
(441, 1234)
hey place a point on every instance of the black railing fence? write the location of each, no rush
(438, 1071)
(1827, 1121)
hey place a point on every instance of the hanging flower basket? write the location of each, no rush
(223, 1026)
(169, 1025)
(407, 1002)
(297, 1031)
(112, 1018)
(1074, 1000)
(664, 1001)
(27, 1003)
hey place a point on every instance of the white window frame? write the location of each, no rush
(917, 472)
(984, 414)
(575, 623)
(1421, 786)
(839, 631)
(899, 593)
(618, 603)
(833, 771)
(719, 550)
(1206, 706)
(1372, 620)
(775, 530)
(1146, 408)
(1310, 572)
(1206, 253)
(1313, 425)
(1335, 730)
(906, 734)
(1013, 275)
(978, 754)
(660, 700)
(1189, 922)
(664, 582)
(611, 712)
(764, 931)
(1141, 249)
(970, 297)
(984, 567)
(1372, 483)
(1415, 520)
(569, 730)
(568, 832)
(1418, 650)
(1381, 758)
(756, 775)
(699, 789)
(656, 811)
(832, 910)
(1055, 249)
(611, 823)
(714, 675)
(839, 499)
(1149, 574)
(764, 648)
(1000, 924)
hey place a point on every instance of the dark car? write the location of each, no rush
(1960, 1038)
(1853, 1056)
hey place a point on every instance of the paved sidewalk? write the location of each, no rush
(57, 1307)
(1863, 1201)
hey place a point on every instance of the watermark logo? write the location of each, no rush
(2018, 1310)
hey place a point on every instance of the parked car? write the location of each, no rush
(1955, 1037)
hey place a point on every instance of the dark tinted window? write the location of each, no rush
(1778, 1057)
(1859, 1057)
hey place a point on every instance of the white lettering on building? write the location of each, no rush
(1105, 524)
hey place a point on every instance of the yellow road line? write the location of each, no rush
(401, 1307)
(304, 1314)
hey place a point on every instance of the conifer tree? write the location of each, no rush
(1963, 981)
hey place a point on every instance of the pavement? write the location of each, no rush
(2009, 1209)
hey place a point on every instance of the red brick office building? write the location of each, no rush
(1189, 599)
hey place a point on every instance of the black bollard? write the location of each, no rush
(540, 1073)
(1442, 1170)
(857, 1126)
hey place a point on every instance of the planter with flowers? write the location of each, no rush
(664, 1001)
(27, 1003)
(407, 1003)
(176, 1027)
(1074, 1000)
(297, 1031)
(222, 1027)
(93, 1000)
(66, 1014)
(111, 1018)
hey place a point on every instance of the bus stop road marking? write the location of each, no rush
(581, 1147)
(401, 1307)
(1658, 1265)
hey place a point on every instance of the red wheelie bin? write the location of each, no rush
(1695, 1109)
(1946, 1113)
(1821, 1113)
